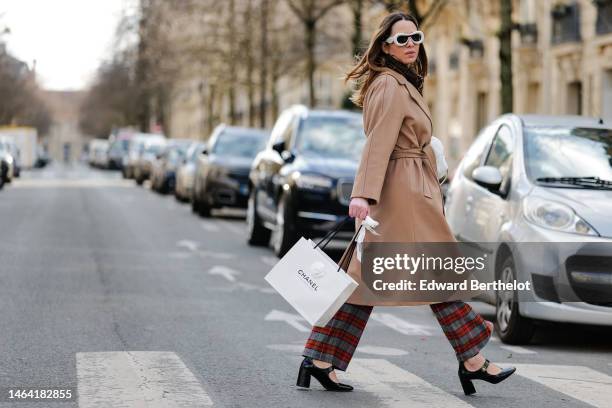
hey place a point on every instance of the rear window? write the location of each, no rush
(568, 152)
(331, 137)
(239, 143)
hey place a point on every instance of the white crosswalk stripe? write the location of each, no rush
(518, 350)
(129, 379)
(396, 387)
(579, 382)
(402, 326)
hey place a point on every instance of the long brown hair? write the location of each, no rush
(371, 63)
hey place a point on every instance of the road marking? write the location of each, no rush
(209, 226)
(227, 273)
(579, 382)
(188, 244)
(249, 286)
(291, 319)
(235, 229)
(179, 255)
(381, 351)
(269, 260)
(70, 183)
(395, 387)
(374, 350)
(137, 379)
(401, 325)
(218, 255)
(518, 349)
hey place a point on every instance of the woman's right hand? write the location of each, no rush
(359, 208)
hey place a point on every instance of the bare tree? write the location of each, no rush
(309, 12)
(424, 15)
(505, 55)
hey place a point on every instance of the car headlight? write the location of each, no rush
(556, 216)
(312, 181)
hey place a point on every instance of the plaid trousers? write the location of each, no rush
(336, 342)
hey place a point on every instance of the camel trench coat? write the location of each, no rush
(397, 173)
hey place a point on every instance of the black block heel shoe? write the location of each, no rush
(308, 369)
(466, 376)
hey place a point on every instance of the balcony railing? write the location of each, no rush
(566, 23)
(604, 16)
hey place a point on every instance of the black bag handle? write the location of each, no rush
(348, 254)
(332, 233)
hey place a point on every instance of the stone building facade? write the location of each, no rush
(562, 64)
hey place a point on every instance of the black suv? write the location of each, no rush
(222, 170)
(300, 185)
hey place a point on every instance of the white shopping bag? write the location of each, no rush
(311, 282)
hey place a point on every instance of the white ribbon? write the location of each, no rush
(442, 166)
(368, 224)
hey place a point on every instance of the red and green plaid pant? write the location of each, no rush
(336, 342)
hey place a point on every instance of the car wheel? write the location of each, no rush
(258, 235)
(511, 327)
(284, 235)
(195, 204)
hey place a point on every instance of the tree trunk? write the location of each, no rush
(505, 56)
(263, 64)
(310, 60)
(357, 27)
(231, 93)
(210, 109)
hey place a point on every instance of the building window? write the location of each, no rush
(606, 103)
(529, 33)
(431, 66)
(574, 98)
(566, 23)
(453, 60)
(481, 110)
(604, 16)
(533, 97)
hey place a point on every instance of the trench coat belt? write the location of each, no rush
(416, 153)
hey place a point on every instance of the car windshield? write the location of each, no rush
(239, 144)
(331, 137)
(177, 153)
(195, 152)
(154, 148)
(554, 152)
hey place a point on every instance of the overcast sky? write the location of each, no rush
(67, 38)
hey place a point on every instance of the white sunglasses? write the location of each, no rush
(402, 39)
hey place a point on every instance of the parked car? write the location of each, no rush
(6, 162)
(185, 173)
(301, 183)
(149, 152)
(136, 148)
(42, 157)
(119, 148)
(98, 153)
(222, 171)
(545, 179)
(13, 150)
(163, 171)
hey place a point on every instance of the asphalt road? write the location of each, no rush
(126, 296)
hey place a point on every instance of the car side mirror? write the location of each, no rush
(279, 147)
(204, 151)
(287, 156)
(488, 177)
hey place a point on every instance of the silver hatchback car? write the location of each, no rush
(545, 180)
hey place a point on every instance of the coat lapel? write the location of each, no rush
(414, 93)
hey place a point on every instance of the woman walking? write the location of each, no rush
(396, 184)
